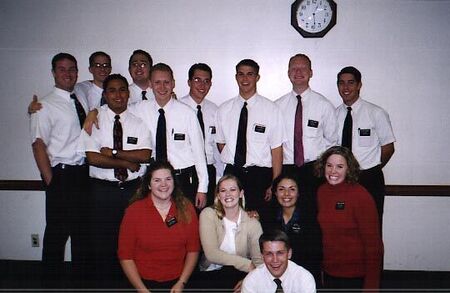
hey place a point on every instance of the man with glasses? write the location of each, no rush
(139, 68)
(199, 81)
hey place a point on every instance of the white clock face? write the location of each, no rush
(314, 15)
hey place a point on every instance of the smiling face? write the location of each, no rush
(199, 85)
(161, 186)
(276, 257)
(139, 69)
(300, 73)
(116, 95)
(229, 194)
(348, 88)
(246, 78)
(100, 69)
(162, 85)
(336, 169)
(65, 74)
(287, 193)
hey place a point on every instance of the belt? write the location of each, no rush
(67, 166)
(246, 169)
(118, 184)
(188, 170)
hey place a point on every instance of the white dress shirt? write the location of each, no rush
(135, 136)
(265, 129)
(185, 145)
(295, 279)
(371, 129)
(57, 124)
(319, 124)
(136, 94)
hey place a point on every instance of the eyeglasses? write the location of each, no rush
(102, 65)
(204, 81)
(139, 64)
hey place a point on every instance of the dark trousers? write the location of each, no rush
(255, 181)
(211, 184)
(188, 181)
(307, 181)
(108, 201)
(66, 215)
(341, 284)
(373, 180)
(209, 281)
(159, 286)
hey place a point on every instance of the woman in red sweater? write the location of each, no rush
(159, 239)
(352, 245)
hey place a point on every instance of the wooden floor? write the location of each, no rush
(24, 276)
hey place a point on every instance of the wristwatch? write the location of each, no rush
(114, 153)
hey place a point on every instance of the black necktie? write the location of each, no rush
(279, 287)
(347, 130)
(80, 111)
(200, 119)
(120, 173)
(143, 95)
(298, 134)
(161, 140)
(241, 144)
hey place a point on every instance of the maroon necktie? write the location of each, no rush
(298, 134)
(120, 173)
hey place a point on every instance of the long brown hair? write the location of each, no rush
(181, 202)
(353, 165)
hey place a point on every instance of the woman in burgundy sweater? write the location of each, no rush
(352, 244)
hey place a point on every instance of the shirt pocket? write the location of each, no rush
(179, 139)
(312, 128)
(365, 137)
(259, 133)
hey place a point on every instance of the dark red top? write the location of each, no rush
(352, 245)
(159, 251)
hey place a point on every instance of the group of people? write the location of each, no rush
(130, 171)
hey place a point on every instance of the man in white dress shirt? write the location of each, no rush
(199, 81)
(139, 68)
(278, 273)
(315, 133)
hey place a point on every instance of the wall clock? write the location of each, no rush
(313, 18)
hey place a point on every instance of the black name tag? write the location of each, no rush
(179, 136)
(313, 123)
(260, 128)
(340, 205)
(212, 129)
(170, 221)
(132, 140)
(364, 132)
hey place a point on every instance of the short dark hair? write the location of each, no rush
(351, 70)
(142, 52)
(61, 56)
(95, 55)
(111, 77)
(199, 66)
(300, 55)
(353, 165)
(274, 235)
(248, 62)
(161, 67)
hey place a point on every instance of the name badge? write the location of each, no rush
(313, 123)
(364, 132)
(296, 228)
(212, 129)
(340, 205)
(179, 136)
(260, 128)
(132, 140)
(171, 220)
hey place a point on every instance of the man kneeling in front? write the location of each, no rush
(278, 273)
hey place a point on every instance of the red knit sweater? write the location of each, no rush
(352, 245)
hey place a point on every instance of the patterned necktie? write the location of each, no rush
(298, 134)
(241, 144)
(143, 95)
(347, 130)
(200, 119)
(80, 111)
(161, 139)
(279, 287)
(119, 173)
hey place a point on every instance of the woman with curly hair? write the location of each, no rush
(229, 238)
(352, 245)
(158, 240)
